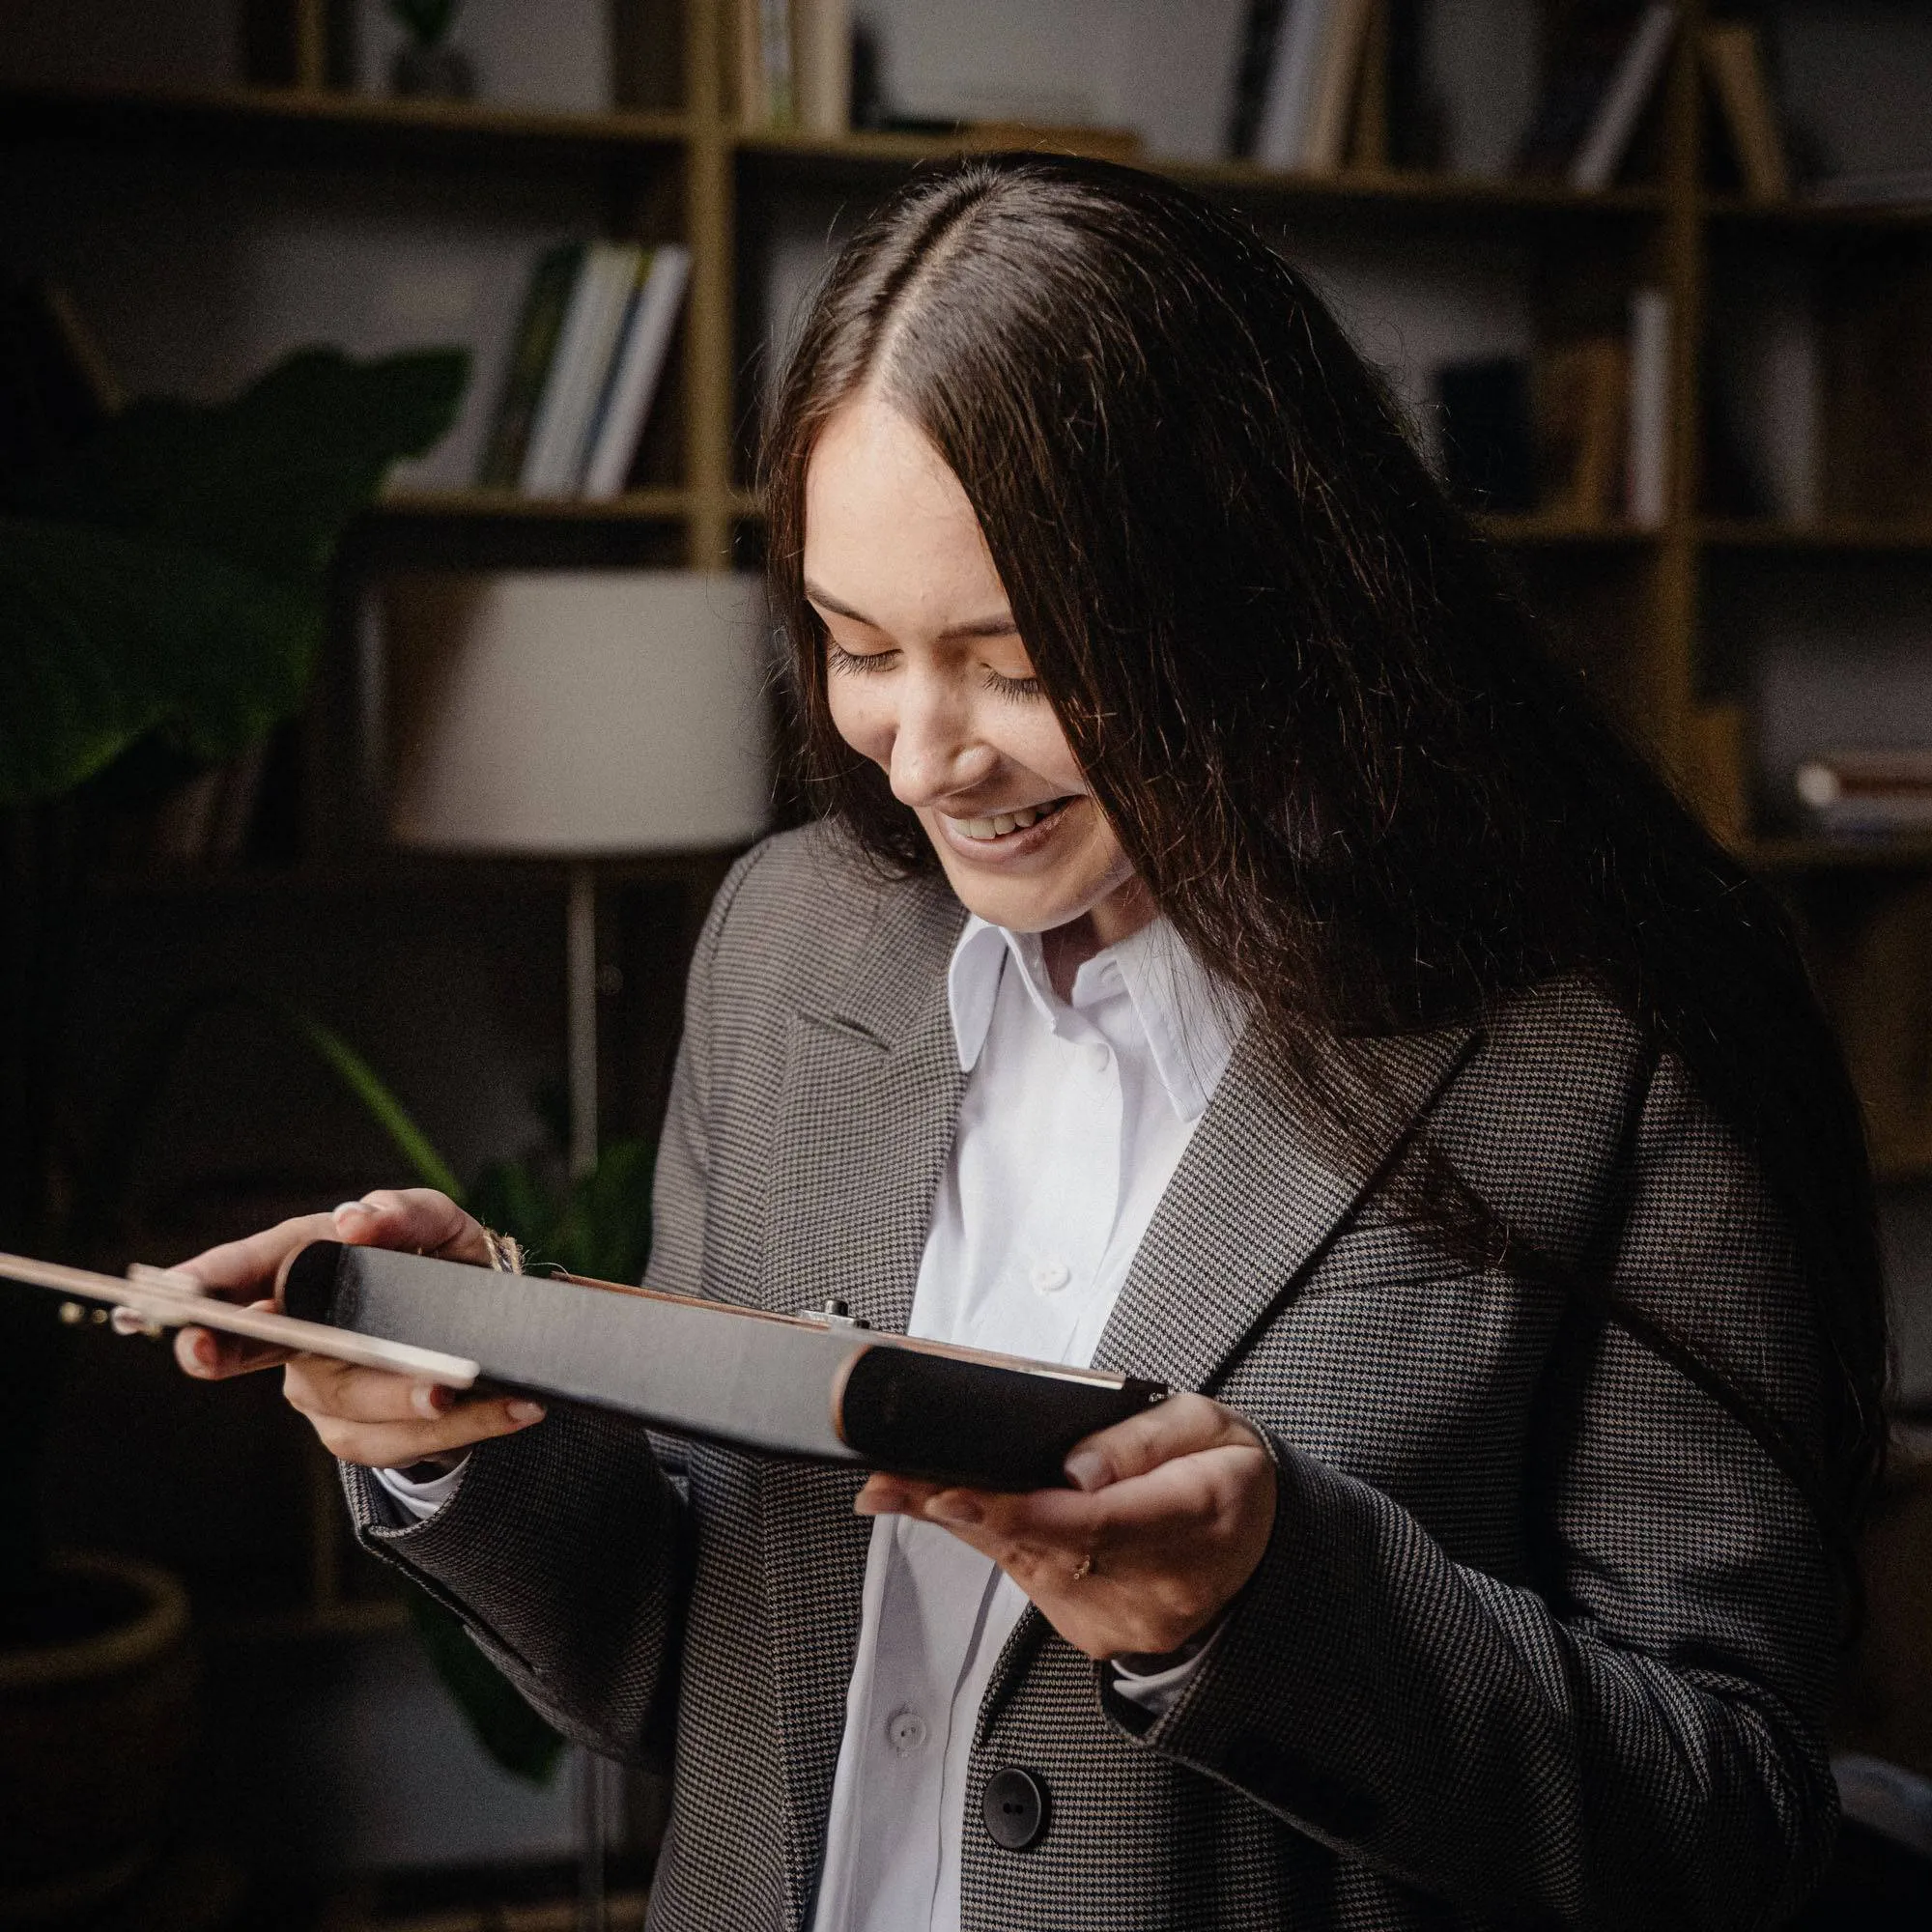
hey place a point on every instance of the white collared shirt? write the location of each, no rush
(1074, 1118)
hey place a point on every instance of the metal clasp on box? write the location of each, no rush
(835, 1312)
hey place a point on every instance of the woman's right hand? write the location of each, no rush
(363, 1415)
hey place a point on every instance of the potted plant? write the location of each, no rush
(162, 581)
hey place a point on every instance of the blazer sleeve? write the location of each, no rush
(1635, 1741)
(566, 1547)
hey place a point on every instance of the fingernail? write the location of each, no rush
(1085, 1470)
(949, 1506)
(430, 1400)
(354, 1207)
(524, 1411)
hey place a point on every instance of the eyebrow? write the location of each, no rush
(999, 626)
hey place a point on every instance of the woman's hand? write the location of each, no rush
(1169, 1514)
(363, 1415)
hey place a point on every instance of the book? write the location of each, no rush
(775, 58)
(532, 348)
(821, 32)
(821, 1385)
(1734, 60)
(1875, 393)
(1290, 109)
(1867, 791)
(1647, 465)
(747, 62)
(553, 463)
(635, 370)
(1583, 47)
(1260, 27)
(1337, 86)
(1489, 454)
(1632, 86)
(1581, 394)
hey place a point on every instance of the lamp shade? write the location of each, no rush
(576, 713)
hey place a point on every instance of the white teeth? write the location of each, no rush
(1001, 822)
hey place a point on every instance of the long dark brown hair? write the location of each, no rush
(1330, 740)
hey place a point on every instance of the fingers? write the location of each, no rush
(412, 1217)
(1180, 1517)
(389, 1422)
(211, 1356)
(245, 1271)
(245, 1268)
(1183, 1425)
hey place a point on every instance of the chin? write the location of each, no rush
(1020, 905)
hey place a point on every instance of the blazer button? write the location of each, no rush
(1014, 1805)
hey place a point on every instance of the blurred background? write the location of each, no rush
(383, 697)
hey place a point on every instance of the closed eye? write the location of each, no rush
(856, 663)
(1012, 687)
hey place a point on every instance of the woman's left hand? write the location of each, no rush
(1168, 1516)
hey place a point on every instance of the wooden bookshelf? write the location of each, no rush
(1831, 536)
(269, 122)
(1642, 595)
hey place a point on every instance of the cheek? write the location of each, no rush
(1037, 743)
(862, 719)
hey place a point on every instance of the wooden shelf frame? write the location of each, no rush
(686, 171)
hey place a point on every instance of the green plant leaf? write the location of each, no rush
(109, 635)
(270, 480)
(382, 1107)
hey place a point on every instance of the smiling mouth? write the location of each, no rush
(998, 825)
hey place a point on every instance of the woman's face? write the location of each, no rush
(928, 678)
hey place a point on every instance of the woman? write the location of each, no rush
(1230, 951)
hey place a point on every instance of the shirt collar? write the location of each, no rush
(1189, 1020)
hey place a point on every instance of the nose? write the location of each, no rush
(937, 750)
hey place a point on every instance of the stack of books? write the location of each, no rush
(1867, 794)
(586, 364)
(792, 61)
(1301, 75)
(1580, 432)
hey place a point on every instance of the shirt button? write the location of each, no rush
(905, 1732)
(1099, 1057)
(1050, 1277)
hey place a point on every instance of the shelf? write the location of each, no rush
(860, 154)
(1905, 853)
(392, 870)
(634, 506)
(1842, 536)
(1536, 531)
(334, 124)
(339, 124)
(1734, 211)
(1449, 192)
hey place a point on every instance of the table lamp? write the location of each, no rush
(577, 716)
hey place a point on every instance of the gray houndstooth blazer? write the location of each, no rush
(1541, 1635)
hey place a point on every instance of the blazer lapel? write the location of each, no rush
(1248, 1215)
(871, 1097)
(1250, 1211)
